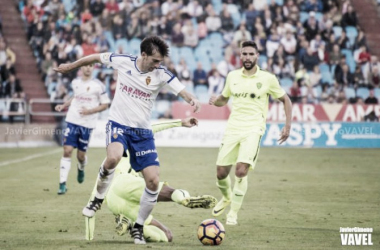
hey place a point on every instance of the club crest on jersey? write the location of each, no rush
(147, 80)
(114, 135)
(259, 84)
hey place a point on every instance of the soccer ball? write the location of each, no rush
(211, 232)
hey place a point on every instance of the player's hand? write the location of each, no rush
(59, 107)
(85, 111)
(63, 68)
(197, 106)
(212, 100)
(189, 122)
(285, 132)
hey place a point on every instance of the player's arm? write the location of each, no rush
(165, 229)
(67, 67)
(288, 113)
(218, 101)
(186, 122)
(190, 99)
(61, 107)
(97, 109)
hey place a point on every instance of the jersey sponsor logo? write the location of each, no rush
(259, 85)
(83, 98)
(148, 80)
(135, 93)
(144, 152)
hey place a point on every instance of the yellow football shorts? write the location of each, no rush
(239, 148)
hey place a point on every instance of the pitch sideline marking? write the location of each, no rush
(30, 157)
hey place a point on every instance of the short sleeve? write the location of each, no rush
(275, 89)
(227, 91)
(111, 60)
(172, 82)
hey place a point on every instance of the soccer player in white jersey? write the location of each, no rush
(90, 97)
(140, 79)
(127, 187)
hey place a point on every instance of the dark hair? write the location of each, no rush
(249, 44)
(154, 43)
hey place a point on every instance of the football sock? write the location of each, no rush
(224, 186)
(240, 188)
(147, 202)
(104, 180)
(154, 234)
(81, 165)
(179, 194)
(64, 169)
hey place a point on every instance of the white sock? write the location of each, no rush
(81, 165)
(104, 180)
(147, 202)
(64, 169)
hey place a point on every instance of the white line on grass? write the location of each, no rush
(30, 157)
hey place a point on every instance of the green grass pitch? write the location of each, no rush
(296, 199)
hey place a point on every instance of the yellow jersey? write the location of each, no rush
(250, 96)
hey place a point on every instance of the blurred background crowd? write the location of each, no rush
(315, 47)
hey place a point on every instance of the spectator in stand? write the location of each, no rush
(5, 53)
(343, 41)
(186, 80)
(97, 7)
(325, 93)
(359, 78)
(242, 34)
(364, 61)
(216, 84)
(315, 77)
(371, 117)
(345, 77)
(105, 20)
(272, 44)
(190, 38)
(213, 22)
(112, 7)
(177, 36)
(335, 56)
(335, 15)
(327, 31)
(289, 43)
(46, 65)
(371, 99)
(134, 29)
(311, 26)
(309, 60)
(227, 23)
(225, 66)
(360, 40)
(349, 18)
(316, 42)
(295, 92)
(194, 9)
(250, 16)
(200, 76)
(341, 97)
(118, 28)
(374, 77)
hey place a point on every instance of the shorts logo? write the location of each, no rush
(114, 135)
(147, 80)
(259, 84)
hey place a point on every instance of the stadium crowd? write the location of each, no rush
(315, 47)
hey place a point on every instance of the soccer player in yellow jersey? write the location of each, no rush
(250, 88)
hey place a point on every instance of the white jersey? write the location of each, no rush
(136, 91)
(87, 94)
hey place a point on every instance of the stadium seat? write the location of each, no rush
(202, 93)
(286, 82)
(377, 93)
(279, 2)
(327, 78)
(108, 35)
(337, 31)
(362, 92)
(352, 33)
(323, 67)
(262, 59)
(174, 54)
(124, 44)
(303, 16)
(350, 93)
(134, 46)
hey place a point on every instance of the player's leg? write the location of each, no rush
(147, 202)
(116, 146)
(247, 158)
(84, 138)
(183, 198)
(227, 156)
(64, 169)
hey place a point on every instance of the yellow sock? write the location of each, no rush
(154, 234)
(224, 186)
(240, 188)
